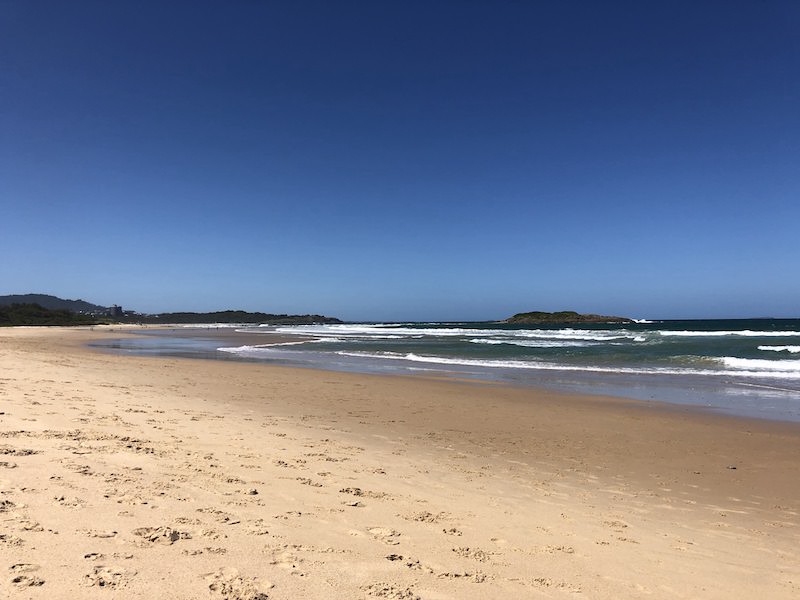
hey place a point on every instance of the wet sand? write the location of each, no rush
(135, 477)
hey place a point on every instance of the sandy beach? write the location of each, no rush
(134, 477)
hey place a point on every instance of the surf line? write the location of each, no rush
(768, 387)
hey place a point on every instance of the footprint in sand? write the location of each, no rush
(98, 533)
(10, 540)
(385, 535)
(616, 524)
(69, 501)
(473, 553)
(289, 561)
(11, 451)
(388, 590)
(108, 577)
(363, 493)
(22, 575)
(28, 525)
(427, 517)
(206, 550)
(307, 481)
(476, 577)
(546, 582)
(93, 556)
(24, 581)
(257, 527)
(229, 585)
(220, 515)
(160, 535)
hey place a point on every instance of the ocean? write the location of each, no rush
(743, 367)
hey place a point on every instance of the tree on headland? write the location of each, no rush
(33, 314)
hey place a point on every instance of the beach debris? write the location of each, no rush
(731, 467)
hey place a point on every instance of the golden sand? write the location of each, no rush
(131, 477)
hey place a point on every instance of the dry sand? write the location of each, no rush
(130, 477)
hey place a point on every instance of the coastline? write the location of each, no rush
(480, 490)
(768, 399)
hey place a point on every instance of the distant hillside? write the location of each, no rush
(52, 303)
(233, 316)
(33, 314)
(566, 317)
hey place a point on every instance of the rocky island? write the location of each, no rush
(566, 317)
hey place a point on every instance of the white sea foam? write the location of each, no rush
(383, 331)
(242, 349)
(790, 349)
(760, 364)
(742, 333)
(751, 370)
(205, 325)
(536, 343)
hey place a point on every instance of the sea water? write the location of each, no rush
(744, 367)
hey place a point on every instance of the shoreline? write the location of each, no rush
(481, 490)
(675, 392)
(635, 409)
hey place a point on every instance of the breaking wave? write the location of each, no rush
(732, 367)
(790, 349)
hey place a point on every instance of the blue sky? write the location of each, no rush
(403, 160)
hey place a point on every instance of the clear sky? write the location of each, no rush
(412, 160)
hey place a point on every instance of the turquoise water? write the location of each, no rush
(745, 367)
(761, 349)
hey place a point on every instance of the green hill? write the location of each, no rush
(234, 316)
(565, 317)
(33, 314)
(52, 303)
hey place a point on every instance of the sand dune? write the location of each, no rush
(128, 477)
